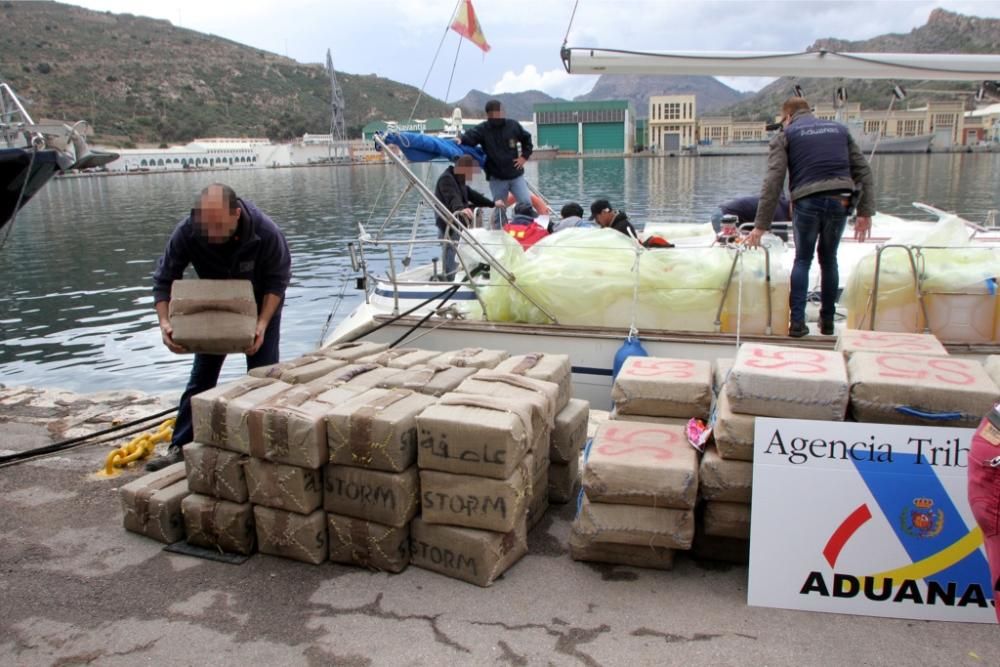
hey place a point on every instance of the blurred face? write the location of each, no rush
(467, 172)
(606, 217)
(213, 219)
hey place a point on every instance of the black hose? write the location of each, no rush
(442, 293)
(84, 439)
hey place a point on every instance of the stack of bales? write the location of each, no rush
(767, 381)
(476, 467)
(557, 461)
(901, 378)
(640, 477)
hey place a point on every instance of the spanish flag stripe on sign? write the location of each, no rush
(467, 25)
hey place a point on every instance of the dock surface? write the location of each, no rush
(77, 589)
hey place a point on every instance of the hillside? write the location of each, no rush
(944, 32)
(519, 106)
(144, 80)
(710, 93)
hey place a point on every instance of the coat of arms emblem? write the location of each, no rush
(921, 519)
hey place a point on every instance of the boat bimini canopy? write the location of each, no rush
(819, 64)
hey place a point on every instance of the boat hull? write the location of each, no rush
(14, 172)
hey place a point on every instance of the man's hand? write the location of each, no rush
(457, 139)
(167, 333)
(753, 239)
(465, 213)
(519, 162)
(862, 228)
(258, 339)
(500, 203)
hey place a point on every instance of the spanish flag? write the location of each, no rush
(467, 25)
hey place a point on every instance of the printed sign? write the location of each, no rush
(866, 519)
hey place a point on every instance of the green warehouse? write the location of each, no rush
(586, 128)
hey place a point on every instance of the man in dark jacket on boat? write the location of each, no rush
(825, 167)
(453, 191)
(225, 237)
(499, 138)
(605, 216)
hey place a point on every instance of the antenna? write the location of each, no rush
(337, 130)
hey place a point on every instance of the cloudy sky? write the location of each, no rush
(398, 38)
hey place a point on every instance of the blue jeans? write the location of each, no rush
(517, 186)
(450, 261)
(818, 223)
(205, 374)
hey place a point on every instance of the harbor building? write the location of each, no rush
(672, 122)
(586, 128)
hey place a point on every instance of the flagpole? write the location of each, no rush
(436, 53)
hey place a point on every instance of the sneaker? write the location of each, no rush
(173, 455)
(798, 330)
(826, 327)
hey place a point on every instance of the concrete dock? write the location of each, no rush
(77, 589)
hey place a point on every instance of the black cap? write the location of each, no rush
(570, 209)
(599, 206)
(526, 210)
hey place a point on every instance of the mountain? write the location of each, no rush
(710, 93)
(145, 80)
(944, 32)
(516, 105)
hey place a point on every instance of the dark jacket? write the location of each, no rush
(456, 195)
(500, 145)
(819, 156)
(258, 253)
(621, 224)
(745, 208)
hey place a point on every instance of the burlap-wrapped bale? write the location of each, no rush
(641, 464)
(910, 389)
(476, 556)
(562, 480)
(583, 548)
(213, 471)
(376, 429)
(300, 537)
(893, 342)
(725, 549)
(389, 498)
(151, 505)
(553, 368)
(352, 351)
(797, 383)
(722, 479)
(569, 434)
(722, 519)
(992, 368)
(219, 524)
(224, 409)
(474, 357)
(540, 450)
(500, 386)
(432, 379)
(368, 544)
(299, 371)
(646, 419)
(290, 427)
(721, 372)
(476, 502)
(634, 524)
(400, 357)
(732, 431)
(213, 316)
(660, 387)
(474, 435)
(284, 487)
(538, 503)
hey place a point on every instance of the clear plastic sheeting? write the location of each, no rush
(947, 264)
(601, 278)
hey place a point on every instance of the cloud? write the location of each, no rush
(555, 82)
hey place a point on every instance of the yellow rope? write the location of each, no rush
(140, 447)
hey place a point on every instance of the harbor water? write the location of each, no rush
(76, 308)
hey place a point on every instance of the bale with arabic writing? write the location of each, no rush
(213, 471)
(301, 537)
(476, 502)
(284, 487)
(390, 498)
(641, 464)
(912, 389)
(475, 556)
(368, 544)
(660, 387)
(790, 382)
(219, 524)
(151, 505)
